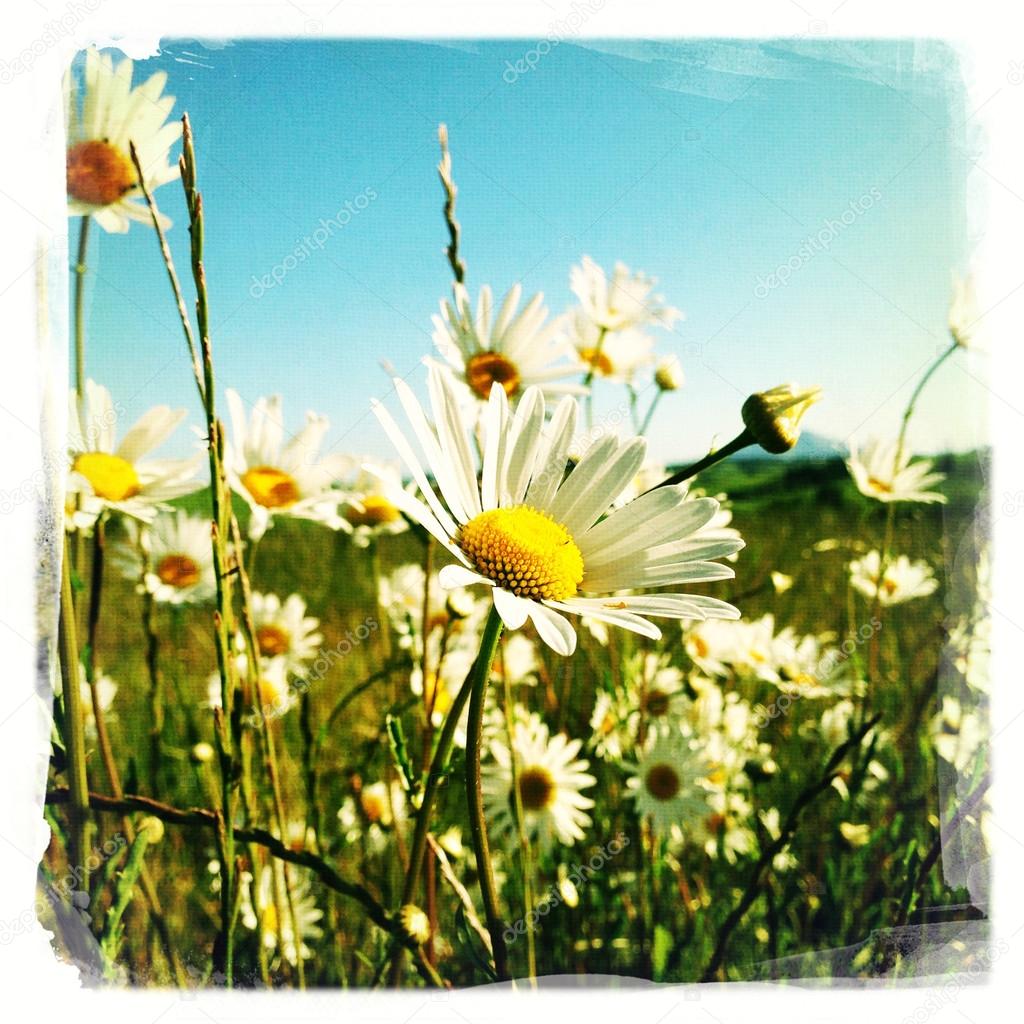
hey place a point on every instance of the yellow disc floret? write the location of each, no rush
(98, 173)
(525, 551)
(112, 478)
(270, 487)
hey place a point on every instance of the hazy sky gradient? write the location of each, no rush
(707, 165)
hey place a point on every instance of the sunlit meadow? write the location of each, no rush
(509, 698)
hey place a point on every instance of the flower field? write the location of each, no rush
(519, 701)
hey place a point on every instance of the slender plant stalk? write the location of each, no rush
(80, 825)
(650, 412)
(474, 793)
(444, 170)
(436, 775)
(267, 733)
(525, 853)
(588, 380)
(742, 440)
(224, 562)
(80, 269)
(156, 700)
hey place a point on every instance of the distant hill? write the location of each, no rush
(810, 446)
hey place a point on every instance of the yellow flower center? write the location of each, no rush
(376, 511)
(890, 586)
(436, 695)
(662, 781)
(374, 806)
(273, 640)
(524, 551)
(600, 363)
(487, 368)
(178, 571)
(98, 172)
(880, 485)
(700, 646)
(270, 487)
(112, 477)
(536, 788)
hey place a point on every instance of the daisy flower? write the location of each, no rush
(624, 300)
(515, 350)
(400, 594)
(365, 513)
(884, 472)
(660, 693)
(107, 475)
(551, 778)
(269, 901)
(517, 659)
(102, 181)
(964, 315)
(616, 356)
(283, 630)
(902, 580)
(178, 558)
(382, 803)
(540, 541)
(278, 479)
(663, 783)
(276, 696)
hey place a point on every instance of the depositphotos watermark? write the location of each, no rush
(579, 875)
(816, 244)
(305, 247)
(565, 28)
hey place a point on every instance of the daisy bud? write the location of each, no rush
(669, 374)
(415, 923)
(154, 829)
(202, 753)
(781, 582)
(773, 416)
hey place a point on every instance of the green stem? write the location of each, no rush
(588, 380)
(80, 266)
(917, 394)
(742, 440)
(650, 412)
(524, 839)
(80, 831)
(474, 793)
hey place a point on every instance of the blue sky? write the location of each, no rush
(707, 165)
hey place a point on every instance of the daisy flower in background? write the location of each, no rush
(514, 350)
(609, 736)
(901, 581)
(551, 779)
(106, 475)
(283, 630)
(668, 375)
(661, 697)
(178, 558)
(101, 178)
(884, 472)
(276, 696)
(617, 356)
(958, 733)
(267, 899)
(381, 803)
(663, 783)
(964, 315)
(623, 300)
(517, 659)
(278, 479)
(364, 512)
(540, 541)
